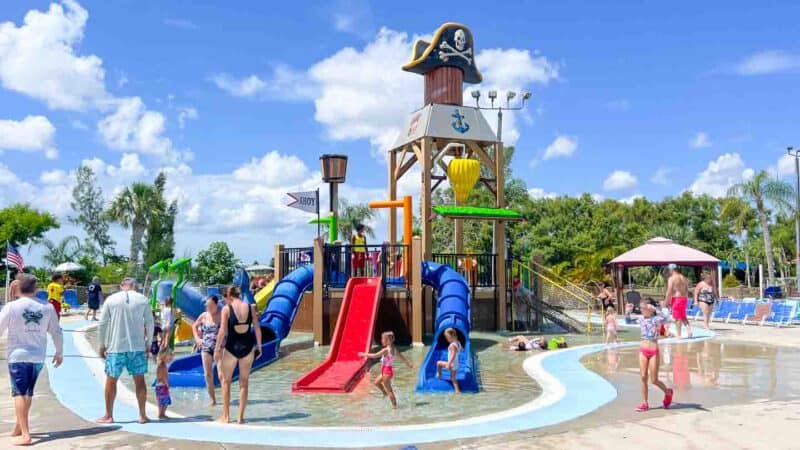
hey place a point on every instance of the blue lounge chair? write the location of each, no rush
(782, 314)
(725, 310)
(744, 311)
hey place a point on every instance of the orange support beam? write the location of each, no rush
(405, 203)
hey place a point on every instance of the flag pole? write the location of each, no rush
(319, 226)
(8, 274)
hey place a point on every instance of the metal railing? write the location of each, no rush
(551, 286)
(343, 261)
(478, 269)
(292, 258)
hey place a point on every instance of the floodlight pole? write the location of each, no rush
(796, 154)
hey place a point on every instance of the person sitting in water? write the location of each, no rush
(523, 344)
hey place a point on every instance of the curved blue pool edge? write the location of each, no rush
(575, 392)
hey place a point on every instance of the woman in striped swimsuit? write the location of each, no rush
(205, 331)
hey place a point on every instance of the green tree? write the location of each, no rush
(87, 202)
(20, 224)
(132, 208)
(216, 264)
(68, 249)
(740, 218)
(160, 235)
(352, 214)
(761, 191)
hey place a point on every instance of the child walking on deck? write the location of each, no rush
(453, 349)
(649, 358)
(387, 355)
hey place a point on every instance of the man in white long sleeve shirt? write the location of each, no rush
(28, 322)
(125, 332)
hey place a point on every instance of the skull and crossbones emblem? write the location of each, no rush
(446, 51)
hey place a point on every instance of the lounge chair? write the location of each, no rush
(725, 310)
(762, 312)
(781, 315)
(744, 311)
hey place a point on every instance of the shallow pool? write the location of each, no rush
(504, 385)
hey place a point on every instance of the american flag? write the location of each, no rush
(13, 257)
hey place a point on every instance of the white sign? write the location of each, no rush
(306, 201)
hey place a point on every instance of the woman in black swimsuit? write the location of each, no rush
(705, 294)
(606, 296)
(242, 344)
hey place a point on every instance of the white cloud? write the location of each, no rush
(129, 167)
(284, 83)
(785, 165)
(56, 176)
(631, 199)
(38, 58)
(31, 134)
(186, 24)
(619, 180)
(132, 127)
(122, 79)
(538, 193)
(561, 147)
(187, 113)
(364, 95)
(720, 175)
(700, 140)
(262, 170)
(245, 87)
(662, 176)
(768, 62)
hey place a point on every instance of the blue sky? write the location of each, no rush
(237, 103)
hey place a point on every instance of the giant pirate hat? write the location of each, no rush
(452, 46)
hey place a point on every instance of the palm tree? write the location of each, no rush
(741, 218)
(351, 215)
(673, 232)
(760, 191)
(133, 208)
(68, 249)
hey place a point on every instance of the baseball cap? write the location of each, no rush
(672, 266)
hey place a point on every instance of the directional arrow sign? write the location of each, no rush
(306, 201)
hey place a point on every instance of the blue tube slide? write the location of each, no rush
(452, 311)
(275, 322)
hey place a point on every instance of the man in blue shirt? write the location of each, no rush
(94, 294)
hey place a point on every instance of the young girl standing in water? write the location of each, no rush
(649, 358)
(452, 358)
(387, 355)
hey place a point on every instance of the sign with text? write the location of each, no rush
(306, 201)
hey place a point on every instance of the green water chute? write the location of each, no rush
(333, 226)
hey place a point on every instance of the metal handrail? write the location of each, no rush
(555, 275)
(572, 294)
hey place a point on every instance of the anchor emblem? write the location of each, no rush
(459, 124)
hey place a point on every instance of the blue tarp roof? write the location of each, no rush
(738, 265)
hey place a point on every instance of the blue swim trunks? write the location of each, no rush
(134, 362)
(23, 377)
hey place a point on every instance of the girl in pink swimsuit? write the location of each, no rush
(386, 354)
(649, 358)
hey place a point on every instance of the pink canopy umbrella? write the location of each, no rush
(661, 251)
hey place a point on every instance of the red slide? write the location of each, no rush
(342, 369)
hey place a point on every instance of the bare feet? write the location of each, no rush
(105, 419)
(17, 431)
(212, 403)
(241, 421)
(223, 419)
(21, 440)
(163, 417)
(144, 420)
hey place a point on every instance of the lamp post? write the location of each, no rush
(796, 154)
(334, 172)
(510, 95)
